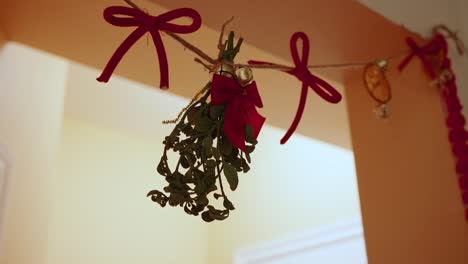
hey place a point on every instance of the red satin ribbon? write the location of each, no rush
(301, 71)
(437, 44)
(240, 108)
(146, 23)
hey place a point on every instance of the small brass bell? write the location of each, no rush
(244, 76)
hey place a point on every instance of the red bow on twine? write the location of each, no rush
(436, 48)
(240, 108)
(146, 23)
(457, 135)
(301, 71)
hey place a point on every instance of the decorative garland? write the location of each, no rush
(215, 135)
(437, 64)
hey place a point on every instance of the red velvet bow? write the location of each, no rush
(433, 48)
(301, 71)
(240, 108)
(145, 23)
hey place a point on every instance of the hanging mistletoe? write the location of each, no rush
(215, 135)
(214, 140)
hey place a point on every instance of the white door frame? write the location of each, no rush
(6, 160)
(305, 241)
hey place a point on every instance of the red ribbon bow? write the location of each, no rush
(301, 71)
(240, 108)
(433, 48)
(145, 23)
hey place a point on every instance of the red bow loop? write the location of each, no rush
(433, 48)
(302, 73)
(241, 103)
(301, 63)
(224, 89)
(415, 51)
(130, 17)
(325, 90)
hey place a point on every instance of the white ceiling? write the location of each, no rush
(420, 15)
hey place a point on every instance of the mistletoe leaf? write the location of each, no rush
(184, 162)
(237, 163)
(228, 205)
(231, 175)
(218, 214)
(193, 114)
(247, 156)
(211, 163)
(207, 217)
(158, 197)
(207, 142)
(245, 166)
(249, 131)
(202, 201)
(203, 124)
(162, 168)
(216, 153)
(249, 149)
(226, 147)
(216, 111)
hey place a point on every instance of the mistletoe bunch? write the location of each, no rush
(217, 133)
(207, 157)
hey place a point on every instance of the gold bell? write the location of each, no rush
(244, 76)
(382, 63)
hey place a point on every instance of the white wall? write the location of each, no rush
(291, 188)
(85, 203)
(338, 243)
(305, 182)
(32, 86)
(100, 212)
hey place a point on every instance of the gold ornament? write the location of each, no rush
(378, 86)
(244, 76)
(376, 82)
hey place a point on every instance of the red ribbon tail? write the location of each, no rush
(405, 62)
(415, 50)
(162, 57)
(119, 54)
(254, 119)
(328, 93)
(297, 118)
(234, 124)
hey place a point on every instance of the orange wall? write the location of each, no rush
(2, 37)
(410, 200)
